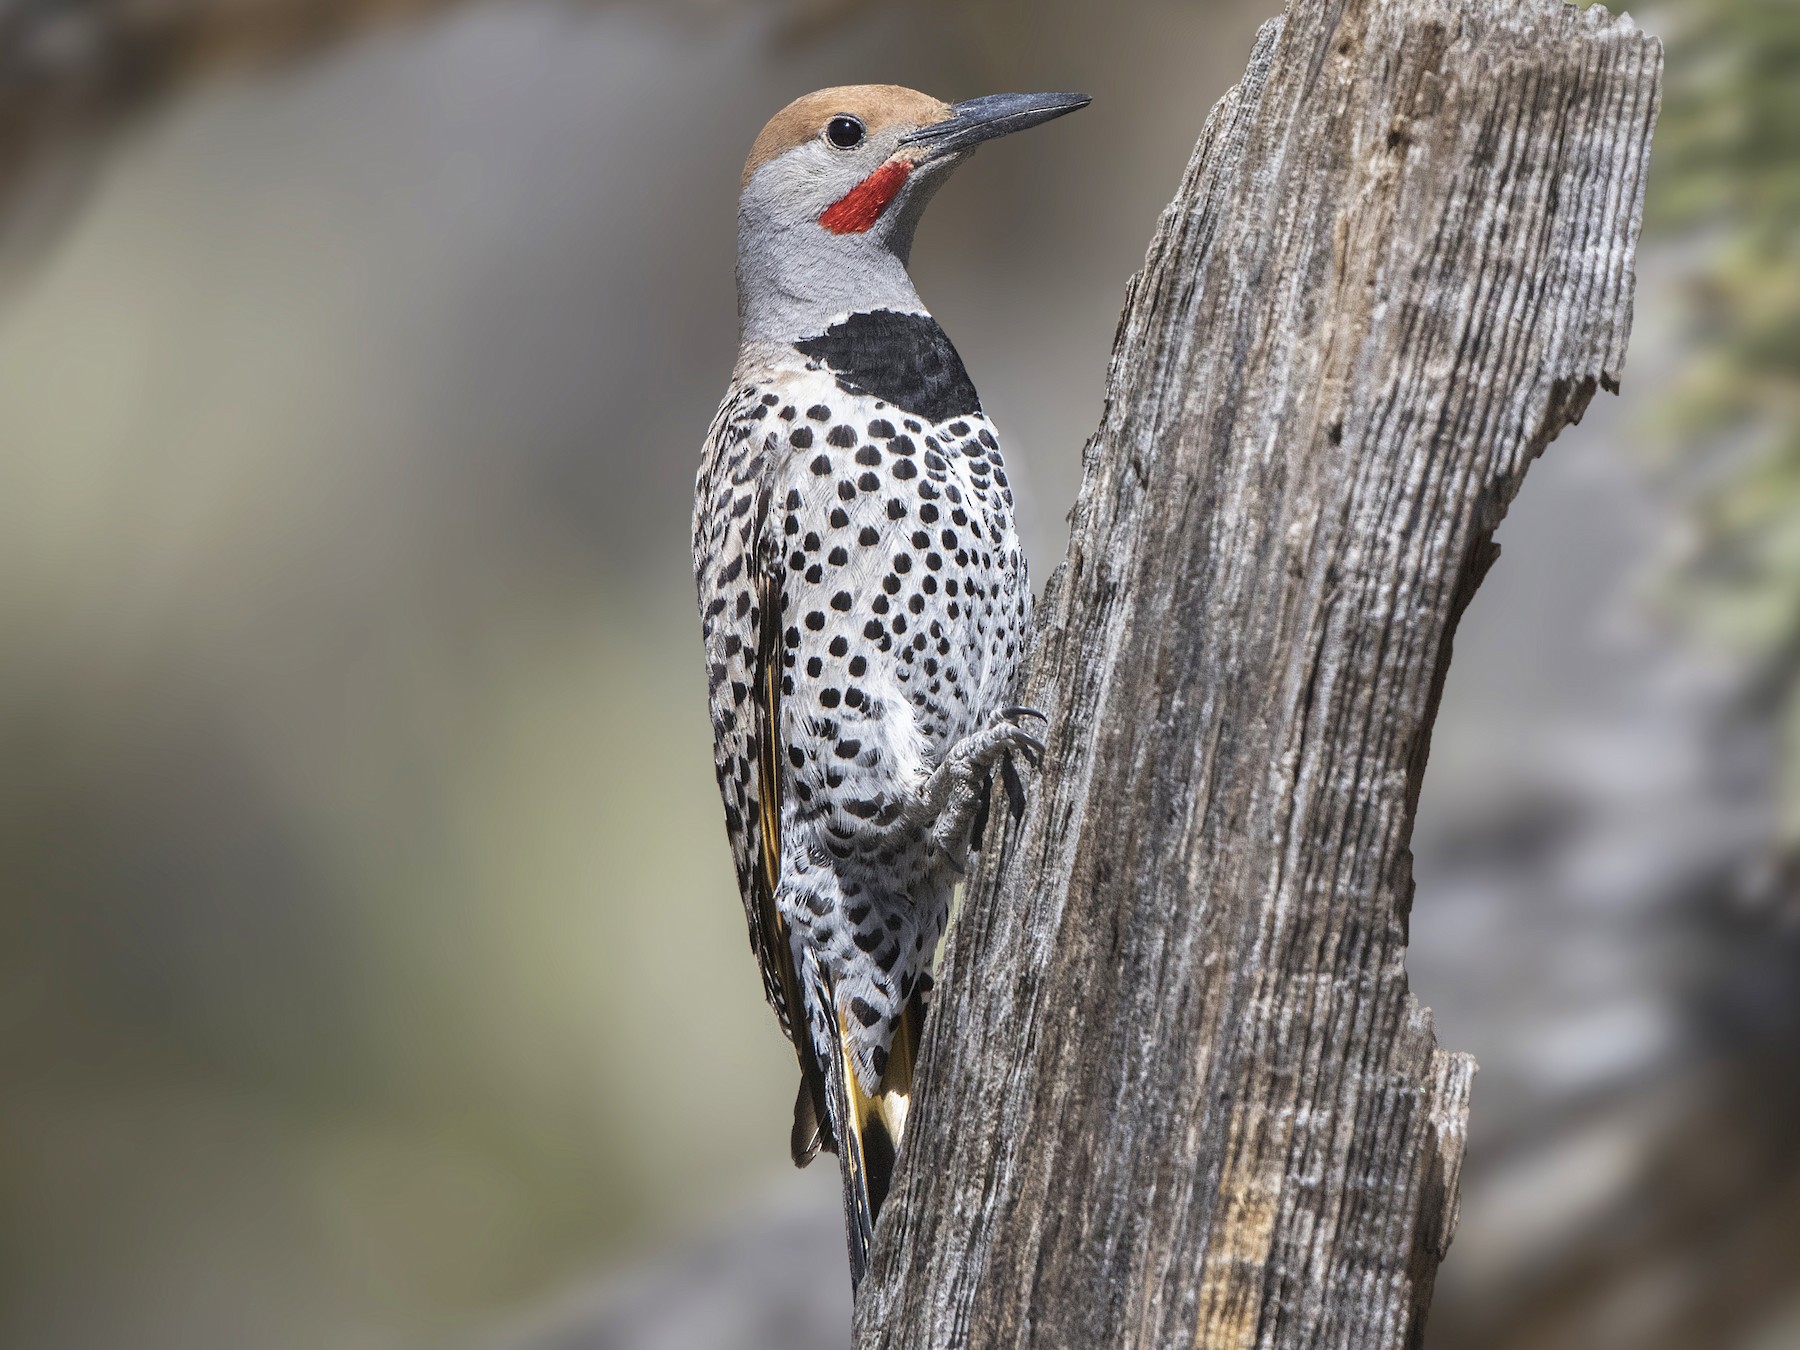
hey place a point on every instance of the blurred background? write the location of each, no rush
(359, 853)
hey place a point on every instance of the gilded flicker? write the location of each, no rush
(864, 601)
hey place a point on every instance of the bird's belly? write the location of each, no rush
(905, 601)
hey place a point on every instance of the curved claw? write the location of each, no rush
(1014, 714)
(1032, 748)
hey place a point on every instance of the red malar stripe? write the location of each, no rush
(862, 206)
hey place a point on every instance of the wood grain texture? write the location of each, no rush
(1175, 1090)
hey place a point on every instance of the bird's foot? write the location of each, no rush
(955, 800)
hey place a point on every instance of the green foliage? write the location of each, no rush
(1728, 176)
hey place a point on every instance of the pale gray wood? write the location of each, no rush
(1174, 1089)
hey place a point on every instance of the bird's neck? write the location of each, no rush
(796, 283)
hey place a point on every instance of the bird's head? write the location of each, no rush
(835, 185)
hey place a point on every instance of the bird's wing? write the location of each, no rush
(739, 581)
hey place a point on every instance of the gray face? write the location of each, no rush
(802, 184)
(795, 275)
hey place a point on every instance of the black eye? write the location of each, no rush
(845, 132)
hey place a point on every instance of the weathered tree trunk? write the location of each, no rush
(1175, 1090)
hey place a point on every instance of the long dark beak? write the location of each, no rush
(982, 119)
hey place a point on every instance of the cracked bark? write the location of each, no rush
(1175, 1090)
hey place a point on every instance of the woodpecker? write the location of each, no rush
(864, 602)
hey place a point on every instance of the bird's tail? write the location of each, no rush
(865, 1129)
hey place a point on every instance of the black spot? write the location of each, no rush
(869, 536)
(906, 469)
(849, 749)
(814, 666)
(864, 1013)
(928, 513)
(841, 436)
(816, 620)
(839, 645)
(882, 428)
(801, 438)
(903, 563)
(821, 465)
(896, 508)
(819, 413)
(828, 698)
(838, 556)
(891, 584)
(839, 518)
(873, 629)
(869, 482)
(858, 665)
(841, 602)
(868, 941)
(796, 757)
(846, 490)
(869, 455)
